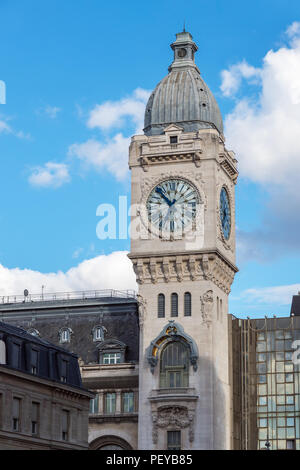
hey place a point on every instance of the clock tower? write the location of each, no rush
(183, 253)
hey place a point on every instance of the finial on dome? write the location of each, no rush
(184, 49)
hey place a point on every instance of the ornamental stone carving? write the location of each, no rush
(142, 303)
(206, 307)
(184, 267)
(177, 417)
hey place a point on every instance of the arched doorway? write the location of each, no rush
(110, 443)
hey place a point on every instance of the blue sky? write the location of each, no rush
(66, 63)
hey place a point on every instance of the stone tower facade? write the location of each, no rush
(183, 254)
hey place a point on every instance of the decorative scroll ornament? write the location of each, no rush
(206, 307)
(178, 417)
(171, 332)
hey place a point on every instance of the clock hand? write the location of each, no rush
(159, 191)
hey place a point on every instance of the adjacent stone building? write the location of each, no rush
(42, 402)
(102, 328)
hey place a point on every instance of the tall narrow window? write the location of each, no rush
(1, 409)
(34, 361)
(174, 305)
(16, 414)
(35, 410)
(128, 402)
(110, 403)
(174, 440)
(174, 366)
(64, 371)
(65, 335)
(2, 352)
(65, 420)
(94, 404)
(187, 304)
(16, 356)
(161, 306)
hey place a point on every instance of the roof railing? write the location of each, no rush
(65, 296)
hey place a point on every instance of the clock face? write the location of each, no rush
(171, 206)
(225, 216)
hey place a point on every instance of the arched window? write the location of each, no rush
(65, 335)
(187, 304)
(161, 306)
(33, 332)
(174, 305)
(174, 366)
(98, 333)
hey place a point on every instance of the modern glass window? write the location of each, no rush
(128, 402)
(65, 423)
(174, 440)
(110, 403)
(111, 358)
(35, 411)
(161, 306)
(174, 305)
(16, 414)
(94, 405)
(174, 366)
(187, 304)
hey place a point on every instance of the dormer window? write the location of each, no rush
(98, 333)
(65, 335)
(33, 332)
(173, 139)
(111, 351)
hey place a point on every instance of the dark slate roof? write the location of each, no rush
(118, 317)
(295, 307)
(19, 347)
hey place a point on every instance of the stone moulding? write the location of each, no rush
(171, 332)
(184, 267)
(177, 417)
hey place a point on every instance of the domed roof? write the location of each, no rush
(182, 97)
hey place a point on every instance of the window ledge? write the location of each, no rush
(182, 393)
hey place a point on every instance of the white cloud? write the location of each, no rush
(111, 114)
(52, 111)
(265, 132)
(111, 155)
(6, 128)
(51, 175)
(232, 78)
(277, 295)
(113, 271)
(293, 31)
(111, 152)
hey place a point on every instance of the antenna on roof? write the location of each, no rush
(184, 26)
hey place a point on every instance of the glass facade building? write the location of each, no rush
(266, 383)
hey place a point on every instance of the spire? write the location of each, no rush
(184, 49)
